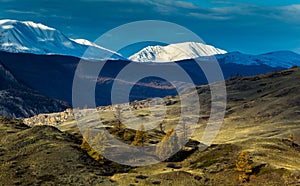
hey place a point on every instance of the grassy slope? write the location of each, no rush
(44, 155)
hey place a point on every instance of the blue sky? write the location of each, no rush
(249, 26)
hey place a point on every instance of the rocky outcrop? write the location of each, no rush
(53, 119)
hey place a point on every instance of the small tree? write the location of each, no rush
(140, 137)
(100, 141)
(87, 135)
(292, 138)
(161, 127)
(86, 146)
(184, 136)
(127, 135)
(243, 166)
(118, 113)
(168, 145)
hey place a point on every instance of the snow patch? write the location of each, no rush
(37, 25)
(7, 27)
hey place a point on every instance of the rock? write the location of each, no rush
(192, 162)
(50, 119)
(142, 177)
(173, 166)
(198, 178)
(156, 182)
(245, 106)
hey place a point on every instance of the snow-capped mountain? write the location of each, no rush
(175, 52)
(192, 50)
(284, 59)
(36, 38)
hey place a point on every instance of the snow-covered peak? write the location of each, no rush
(29, 37)
(175, 52)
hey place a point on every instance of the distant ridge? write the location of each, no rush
(283, 59)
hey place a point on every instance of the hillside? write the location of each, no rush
(17, 100)
(262, 114)
(45, 156)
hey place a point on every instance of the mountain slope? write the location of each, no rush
(175, 52)
(17, 100)
(284, 59)
(35, 38)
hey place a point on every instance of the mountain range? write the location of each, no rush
(36, 38)
(51, 60)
